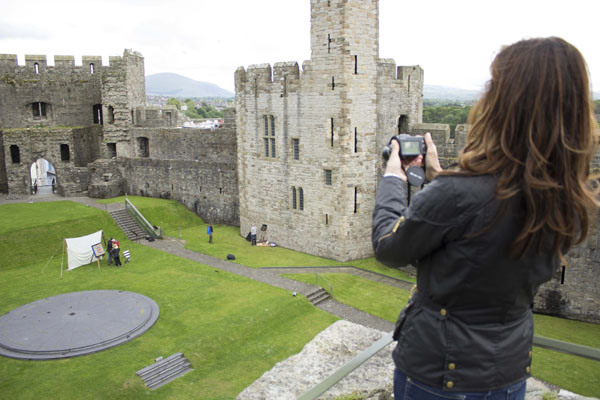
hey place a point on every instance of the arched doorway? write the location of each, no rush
(43, 177)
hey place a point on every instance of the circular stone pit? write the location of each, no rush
(75, 324)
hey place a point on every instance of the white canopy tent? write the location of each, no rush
(79, 250)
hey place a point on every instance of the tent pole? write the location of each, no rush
(62, 259)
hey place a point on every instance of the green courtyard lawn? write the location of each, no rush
(232, 329)
(572, 373)
(177, 221)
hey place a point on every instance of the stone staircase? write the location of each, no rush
(165, 370)
(129, 225)
(318, 296)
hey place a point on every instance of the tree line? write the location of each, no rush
(194, 111)
(454, 112)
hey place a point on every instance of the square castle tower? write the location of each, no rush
(309, 141)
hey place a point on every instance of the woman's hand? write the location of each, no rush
(432, 162)
(394, 164)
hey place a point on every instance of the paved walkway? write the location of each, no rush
(270, 276)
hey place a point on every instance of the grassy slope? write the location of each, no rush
(232, 329)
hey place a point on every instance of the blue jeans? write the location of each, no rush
(408, 389)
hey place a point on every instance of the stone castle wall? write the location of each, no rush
(316, 191)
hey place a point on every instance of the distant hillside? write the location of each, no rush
(432, 92)
(170, 84)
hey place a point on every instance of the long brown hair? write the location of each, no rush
(534, 129)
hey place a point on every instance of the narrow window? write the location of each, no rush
(333, 83)
(294, 197)
(355, 65)
(169, 118)
(285, 85)
(300, 199)
(355, 199)
(266, 120)
(326, 219)
(132, 117)
(355, 139)
(269, 139)
(220, 190)
(296, 149)
(38, 110)
(328, 177)
(328, 3)
(328, 44)
(562, 275)
(15, 154)
(65, 155)
(272, 125)
(91, 68)
(409, 84)
(97, 109)
(402, 124)
(143, 148)
(331, 132)
(111, 115)
(112, 149)
(36, 68)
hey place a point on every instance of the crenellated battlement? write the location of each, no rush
(38, 64)
(387, 68)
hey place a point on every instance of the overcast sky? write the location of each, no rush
(206, 40)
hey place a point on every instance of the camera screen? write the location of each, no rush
(410, 148)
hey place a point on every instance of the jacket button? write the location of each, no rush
(528, 369)
(443, 312)
(449, 384)
(451, 366)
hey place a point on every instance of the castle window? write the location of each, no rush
(562, 275)
(169, 118)
(331, 132)
(355, 139)
(65, 154)
(91, 68)
(294, 205)
(355, 199)
(111, 115)
(409, 84)
(328, 44)
(143, 148)
(97, 110)
(36, 68)
(15, 154)
(112, 149)
(333, 83)
(328, 180)
(296, 149)
(326, 219)
(355, 65)
(38, 110)
(300, 199)
(269, 138)
(403, 124)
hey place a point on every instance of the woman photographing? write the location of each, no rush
(484, 236)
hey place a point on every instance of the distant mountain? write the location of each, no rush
(175, 85)
(432, 92)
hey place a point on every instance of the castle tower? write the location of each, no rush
(308, 143)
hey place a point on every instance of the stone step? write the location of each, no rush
(128, 225)
(318, 296)
(164, 371)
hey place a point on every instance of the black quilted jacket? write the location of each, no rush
(469, 327)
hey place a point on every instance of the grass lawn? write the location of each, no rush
(232, 329)
(572, 373)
